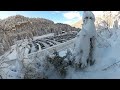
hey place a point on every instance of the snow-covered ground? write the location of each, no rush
(107, 65)
(107, 56)
(43, 36)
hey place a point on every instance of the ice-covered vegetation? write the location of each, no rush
(91, 53)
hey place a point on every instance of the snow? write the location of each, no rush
(12, 56)
(94, 75)
(62, 53)
(106, 54)
(43, 36)
(107, 65)
(87, 14)
(107, 50)
(82, 42)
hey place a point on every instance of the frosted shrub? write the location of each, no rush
(60, 65)
(83, 51)
(32, 73)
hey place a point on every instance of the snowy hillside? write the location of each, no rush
(107, 57)
(67, 55)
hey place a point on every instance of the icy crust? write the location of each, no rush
(82, 41)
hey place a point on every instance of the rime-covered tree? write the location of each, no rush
(83, 48)
(108, 18)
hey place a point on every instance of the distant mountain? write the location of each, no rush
(78, 24)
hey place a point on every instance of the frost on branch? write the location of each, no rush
(115, 24)
(83, 49)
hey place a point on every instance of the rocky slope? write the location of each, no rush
(19, 27)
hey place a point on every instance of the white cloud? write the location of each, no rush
(72, 15)
(57, 11)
